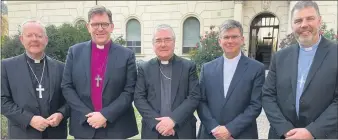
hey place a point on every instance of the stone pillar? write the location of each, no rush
(291, 4)
(238, 11)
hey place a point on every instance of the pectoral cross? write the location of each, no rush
(40, 89)
(301, 82)
(98, 79)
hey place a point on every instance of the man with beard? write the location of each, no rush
(31, 94)
(167, 91)
(98, 83)
(300, 95)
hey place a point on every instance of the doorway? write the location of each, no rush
(263, 42)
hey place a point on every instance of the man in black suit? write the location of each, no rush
(98, 83)
(300, 95)
(167, 91)
(31, 95)
(231, 85)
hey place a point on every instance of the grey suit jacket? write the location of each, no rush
(185, 96)
(319, 101)
(242, 105)
(19, 102)
(117, 96)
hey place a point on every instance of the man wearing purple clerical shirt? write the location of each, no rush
(98, 83)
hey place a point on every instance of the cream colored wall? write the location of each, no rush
(152, 13)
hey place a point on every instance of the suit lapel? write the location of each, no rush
(219, 75)
(156, 80)
(317, 61)
(86, 57)
(112, 60)
(24, 70)
(293, 59)
(176, 76)
(238, 75)
(53, 75)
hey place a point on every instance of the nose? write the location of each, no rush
(304, 24)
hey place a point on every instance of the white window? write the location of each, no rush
(191, 34)
(134, 35)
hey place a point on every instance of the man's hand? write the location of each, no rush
(165, 126)
(299, 133)
(39, 123)
(96, 120)
(221, 132)
(55, 119)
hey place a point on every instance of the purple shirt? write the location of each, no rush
(99, 58)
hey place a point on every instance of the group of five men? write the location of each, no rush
(99, 81)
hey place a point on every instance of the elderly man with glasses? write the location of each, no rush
(167, 91)
(98, 83)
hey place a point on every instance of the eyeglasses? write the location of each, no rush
(166, 41)
(234, 37)
(104, 25)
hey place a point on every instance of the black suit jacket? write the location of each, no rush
(19, 102)
(242, 105)
(319, 101)
(185, 96)
(117, 96)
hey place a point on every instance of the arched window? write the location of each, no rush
(191, 34)
(133, 31)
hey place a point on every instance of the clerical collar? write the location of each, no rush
(233, 59)
(101, 47)
(32, 60)
(165, 62)
(315, 46)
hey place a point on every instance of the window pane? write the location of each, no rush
(191, 32)
(133, 30)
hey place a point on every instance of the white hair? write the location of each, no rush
(33, 21)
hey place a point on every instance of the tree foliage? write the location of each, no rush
(59, 40)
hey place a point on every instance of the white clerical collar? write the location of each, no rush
(100, 47)
(36, 60)
(233, 59)
(164, 62)
(307, 49)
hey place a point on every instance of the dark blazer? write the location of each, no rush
(19, 102)
(242, 105)
(185, 96)
(117, 96)
(319, 101)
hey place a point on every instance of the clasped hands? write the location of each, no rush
(298, 133)
(96, 120)
(166, 126)
(221, 132)
(40, 123)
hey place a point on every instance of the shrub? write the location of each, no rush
(207, 49)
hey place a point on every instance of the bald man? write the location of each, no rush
(31, 95)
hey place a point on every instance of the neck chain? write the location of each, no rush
(43, 70)
(164, 74)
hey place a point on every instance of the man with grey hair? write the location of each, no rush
(167, 91)
(99, 82)
(31, 95)
(231, 88)
(300, 95)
